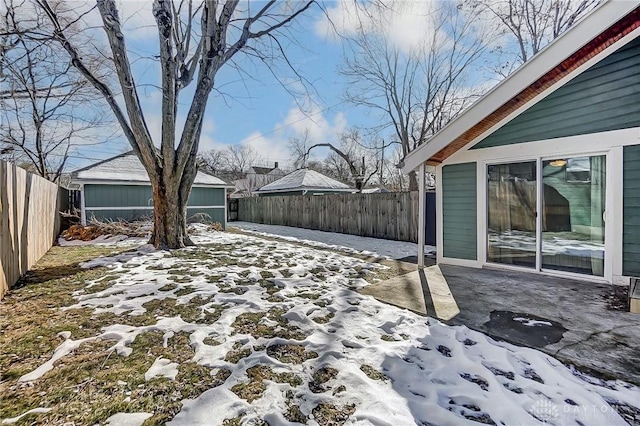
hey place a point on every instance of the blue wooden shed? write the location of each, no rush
(118, 188)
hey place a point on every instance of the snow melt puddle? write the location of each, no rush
(531, 322)
(381, 365)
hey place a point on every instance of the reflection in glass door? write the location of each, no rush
(573, 214)
(512, 214)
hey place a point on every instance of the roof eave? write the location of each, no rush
(85, 181)
(302, 188)
(584, 32)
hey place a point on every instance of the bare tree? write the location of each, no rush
(418, 89)
(353, 154)
(238, 158)
(532, 24)
(46, 108)
(298, 147)
(395, 179)
(212, 161)
(196, 41)
(230, 163)
(335, 166)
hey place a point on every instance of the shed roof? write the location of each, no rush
(570, 53)
(305, 179)
(128, 168)
(262, 170)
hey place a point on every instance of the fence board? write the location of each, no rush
(29, 221)
(391, 215)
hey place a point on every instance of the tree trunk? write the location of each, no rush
(413, 181)
(169, 215)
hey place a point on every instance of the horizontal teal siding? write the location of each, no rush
(111, 196)
(210, 215)
(128, 215)
(206, 196)
(117, 196)
(578, 195)
(459, 211)
(141, 196)
(603, 98)
(631, 212)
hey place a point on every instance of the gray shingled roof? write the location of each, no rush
(305, 179)
(128, 168)
(262, 170)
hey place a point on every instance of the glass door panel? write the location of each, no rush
(573, 214)
(512, 214)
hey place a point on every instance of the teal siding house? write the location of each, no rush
(304, 182)
(542, 174)
(118, 188)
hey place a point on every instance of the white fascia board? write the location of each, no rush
(599, 57)
(564, 46)
(589, 144)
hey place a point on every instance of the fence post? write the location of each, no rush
(421, 216)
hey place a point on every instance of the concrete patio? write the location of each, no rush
(579, 322)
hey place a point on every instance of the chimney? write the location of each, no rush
(276, 166)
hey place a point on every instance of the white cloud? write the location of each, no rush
(405, 24)
(273, 146)
(136, 17)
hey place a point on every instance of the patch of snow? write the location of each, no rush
(162, 367)
(353, 244)
(531, 322)
(61, 351)
(435, 373)
(119, 258)
(104, 240)
(128, 419)
(64, 334)
(18, 418)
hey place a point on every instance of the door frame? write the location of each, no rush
(608, 273)
(608, 143)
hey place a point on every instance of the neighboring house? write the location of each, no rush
(119, 188)
(304, 182)
(543, 172)
(256, 177)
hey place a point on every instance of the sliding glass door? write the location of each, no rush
(568, 235)
(512, 192)
(573, 214)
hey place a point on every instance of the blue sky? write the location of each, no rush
(255, 110)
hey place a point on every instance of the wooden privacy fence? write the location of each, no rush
(29, 221)
(392, 216)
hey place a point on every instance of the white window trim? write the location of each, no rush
(605, 143)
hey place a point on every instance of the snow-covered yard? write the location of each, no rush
(335, 241)
(243, 330)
